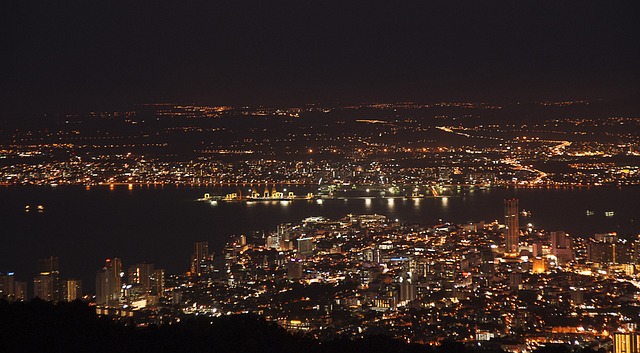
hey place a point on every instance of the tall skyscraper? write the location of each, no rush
(102, 287)
(487, 268)
(46, 285)
(201, 259)
(109, 283)
(157, 282)
(512, 226)
(72, 290)
(149, 279)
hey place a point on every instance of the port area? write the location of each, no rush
(324, 194)
(257, 197)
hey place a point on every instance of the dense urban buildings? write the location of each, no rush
(382, 145)
(478, 283)
(505, 284)
(405, 177)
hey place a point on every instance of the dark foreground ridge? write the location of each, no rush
(39, 326)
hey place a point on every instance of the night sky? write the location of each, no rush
(65, 55)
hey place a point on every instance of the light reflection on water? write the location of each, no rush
(160, 224)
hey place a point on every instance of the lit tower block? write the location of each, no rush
(512, 226)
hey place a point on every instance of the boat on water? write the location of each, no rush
(39, 208)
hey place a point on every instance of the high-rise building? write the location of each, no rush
(622, 252)
(103, 287)
(512, 226)
(636, 250)
(515, 280)
(561, 247)
(43, 288)
(487, 267)
(613, 251)
(536, 248)
(626, 342)
(407, 289)
(20, 290)
(201, 259)
(305, 246)
(109, 283)
(7, 286)
(140, 274)
(46, 285)
(606, 237)
(157, 282)
(600, 251)
(150, 280)
(72, 290)
(230, 255)
(273, 241)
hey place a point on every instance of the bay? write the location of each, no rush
(159, 225)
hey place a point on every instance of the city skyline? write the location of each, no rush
(321, 176)
(380, 248)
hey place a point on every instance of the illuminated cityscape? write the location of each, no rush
(320, 177)
(146, 148)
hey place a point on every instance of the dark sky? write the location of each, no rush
(64, 55)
